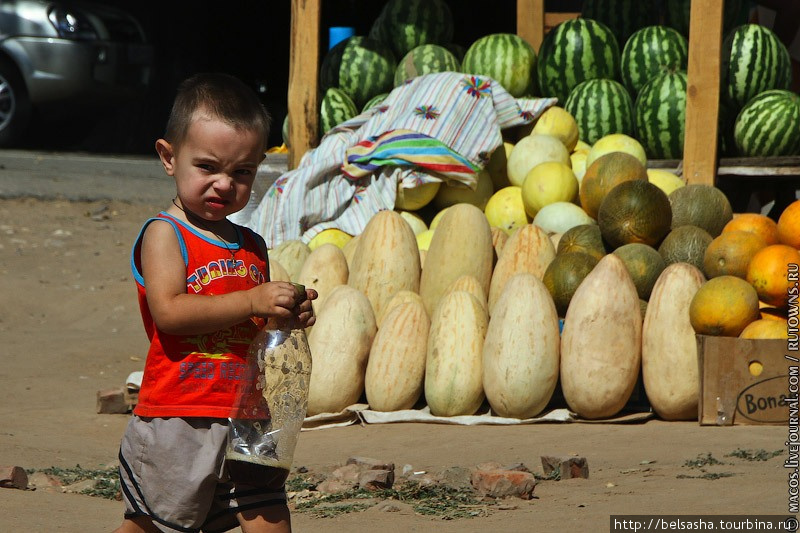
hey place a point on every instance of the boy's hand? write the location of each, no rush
(280, 299)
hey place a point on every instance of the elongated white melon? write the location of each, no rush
(669, 347)
(461, 244)
(601, 343)
(453, 368)
(291, 255)
(396, 366)
(521, 349)
(324, 268)
(340, 342)
(386, 260)
(529, 249)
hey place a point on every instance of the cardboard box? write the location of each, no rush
(731, 392)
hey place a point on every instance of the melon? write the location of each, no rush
(291, 254)
(461, 244)
(531, 151)
(424, 239)
(451, 193)
(349, 250)
(333, 236)
(386, 260)
(601, 342)
(396, 367)
(704, 206)
(277, 272)
(405, 24)
(415, 221)
(560, 217)
(360, 67)
(664, 180)
(414, 198)
(604, 174)
(521, 349)
(644, 264)
(559, 123)
(669, 348)
(497, 167)
(528, 250)
(324, 269)
(616, 142)
(563, 276)
(650, 51)
(584, 238)
(336, 107)
(400, 297)
(504, 57)
(769, 125)
(634, 211)
(470, 284)
(425, 59)
(601, 107)
(454, 359)
(660, 115)
(547, 183)
(340, 342)
(506, 210)
(685, 244)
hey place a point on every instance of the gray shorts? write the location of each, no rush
(174, 471)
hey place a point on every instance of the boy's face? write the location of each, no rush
(214, 167)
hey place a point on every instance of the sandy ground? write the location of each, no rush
(69, 326)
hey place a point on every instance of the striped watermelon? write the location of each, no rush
(505, 57)
(600, 107)
(754, 60)
(375, 100)
(405, 24)
(648, 52)
(660, 113)
(769, 125)
(573, 52)
(457, 50)
(425, 59)
(623, 17)
(677, 15)
(336, 107)
(359, 66)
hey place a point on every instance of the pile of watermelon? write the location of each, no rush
(619, 68)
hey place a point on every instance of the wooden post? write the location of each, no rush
(530, 21)
(303, 99)
(702, 92)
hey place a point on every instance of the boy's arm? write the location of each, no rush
(178, 313)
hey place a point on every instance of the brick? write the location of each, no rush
(334, 486)
(112, 402)
(504, 483)
(565, 467)
(457, 477)
(376, 479)
(13, 477)
(368, 463)
(348, 473)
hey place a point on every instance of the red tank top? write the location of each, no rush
(203, 375)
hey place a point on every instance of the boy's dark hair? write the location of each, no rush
(224, 97)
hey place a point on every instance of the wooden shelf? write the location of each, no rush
(702, 103)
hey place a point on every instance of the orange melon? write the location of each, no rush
(769, 272)
(723, 306)
(789, 225)
(761, 225)
(730, 253)
(603, 174)
(766, 328)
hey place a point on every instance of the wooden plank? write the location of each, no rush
(530, 21)
(303, 100)
(702, 98)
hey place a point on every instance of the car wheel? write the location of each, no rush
(15, 107)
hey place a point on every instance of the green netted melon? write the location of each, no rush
(703, 206)
(634, 211)
(643, 307)
(685, 244)
(603, 174)
(585, 238)
(563, 275)
(644, 264)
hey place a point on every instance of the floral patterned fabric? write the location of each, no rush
(433, 128)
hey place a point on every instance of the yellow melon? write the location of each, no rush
(506, 210)
(532, 150)
(547, 183)
(664, 180)
(333, 236)
(415, 221)
(451, 194)
(413, 198)
(617, 142)
(559, 123)
(497, 167)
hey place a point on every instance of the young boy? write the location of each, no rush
(204, 291)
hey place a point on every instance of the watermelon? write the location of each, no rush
(336, 107)
(769, 125)
(754, 60)
(375, 100)
(575, 51)
(425, 59)
(660, 113)
(285, 130)
(648, 52)
(457, 50)
(623, 17)
(405, 24)
(505, 57)
(600, 107)
(677, 15)
(359, 66)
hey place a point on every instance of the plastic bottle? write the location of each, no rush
(283, 360)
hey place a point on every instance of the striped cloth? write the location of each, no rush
(359, 165)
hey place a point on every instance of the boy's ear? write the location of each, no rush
(167, 156)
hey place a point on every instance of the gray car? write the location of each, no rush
(63, 56)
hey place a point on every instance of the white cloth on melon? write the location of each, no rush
(466, 113)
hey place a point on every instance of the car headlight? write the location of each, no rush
(72, 24)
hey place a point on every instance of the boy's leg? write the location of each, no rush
(272, 519)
